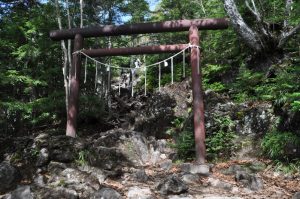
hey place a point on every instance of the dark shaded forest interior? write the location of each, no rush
(134, 132)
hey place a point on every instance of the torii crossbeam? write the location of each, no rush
(78, 34)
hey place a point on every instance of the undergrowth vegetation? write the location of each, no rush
(219, 145)
(280, 145)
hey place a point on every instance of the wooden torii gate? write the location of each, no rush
(78, 34)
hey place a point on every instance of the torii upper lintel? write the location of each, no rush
(141, 28)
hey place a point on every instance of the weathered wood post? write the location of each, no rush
(198, 104)
(74, 87)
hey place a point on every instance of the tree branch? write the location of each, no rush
(258, 18)
(250, 37)
(287, 35)
(288, 5)
(253, 10)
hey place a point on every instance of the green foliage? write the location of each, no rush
(178, 124)
(185, 144)
(211, 77)
(92, 107)
(287, 167)
(82, 158)
(184, 138)
(246, 84)
(282, 88)
(62, 183)
(274, 144)
(221, 143)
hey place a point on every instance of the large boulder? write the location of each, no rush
(72, 181)
(120, 148)
(22, 192)
(250, 181)
(159, 111)
(57, 192)
(9, 177)
(172, 185)
(139, 193)
(58, 148)
(107, 193)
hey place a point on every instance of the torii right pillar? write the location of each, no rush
(198, 104)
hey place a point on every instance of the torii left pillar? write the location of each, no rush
(74, 88)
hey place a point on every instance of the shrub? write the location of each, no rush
(218, 144)
(274, 144)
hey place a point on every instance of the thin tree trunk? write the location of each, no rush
(65, 56)
(69, 41)
(81, 13)
(288, 6)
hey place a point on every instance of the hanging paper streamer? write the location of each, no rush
(85, 69)
(132, 80)
(108, 79)
(172, 72)
(96, 75)
(120, 82)
(165, 63)
(198, 60)
(183, 63)
(159, 75)
(145, 81)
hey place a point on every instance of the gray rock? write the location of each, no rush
(185, 167)
(296, 195)
(180, 197)
(118, 148)
(22, 192)
(40, 180)
(107, 193)
(94, 171)
(201, 169)
(60, 148)
(257, 166)
(211, 196)
(140, 175)
(190, 178)
(155, 157)
(172, 185)
(139, 193)
(232, 170)
(43, 158)
(65, 155)
(9, 176)
(219, 184)
(59, 192)
(158, 111)
(56, 167)
(251, 181)
(166, 165)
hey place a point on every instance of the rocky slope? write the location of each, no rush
(133, 159)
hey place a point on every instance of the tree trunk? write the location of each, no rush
(65, 56)
(262, 40)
